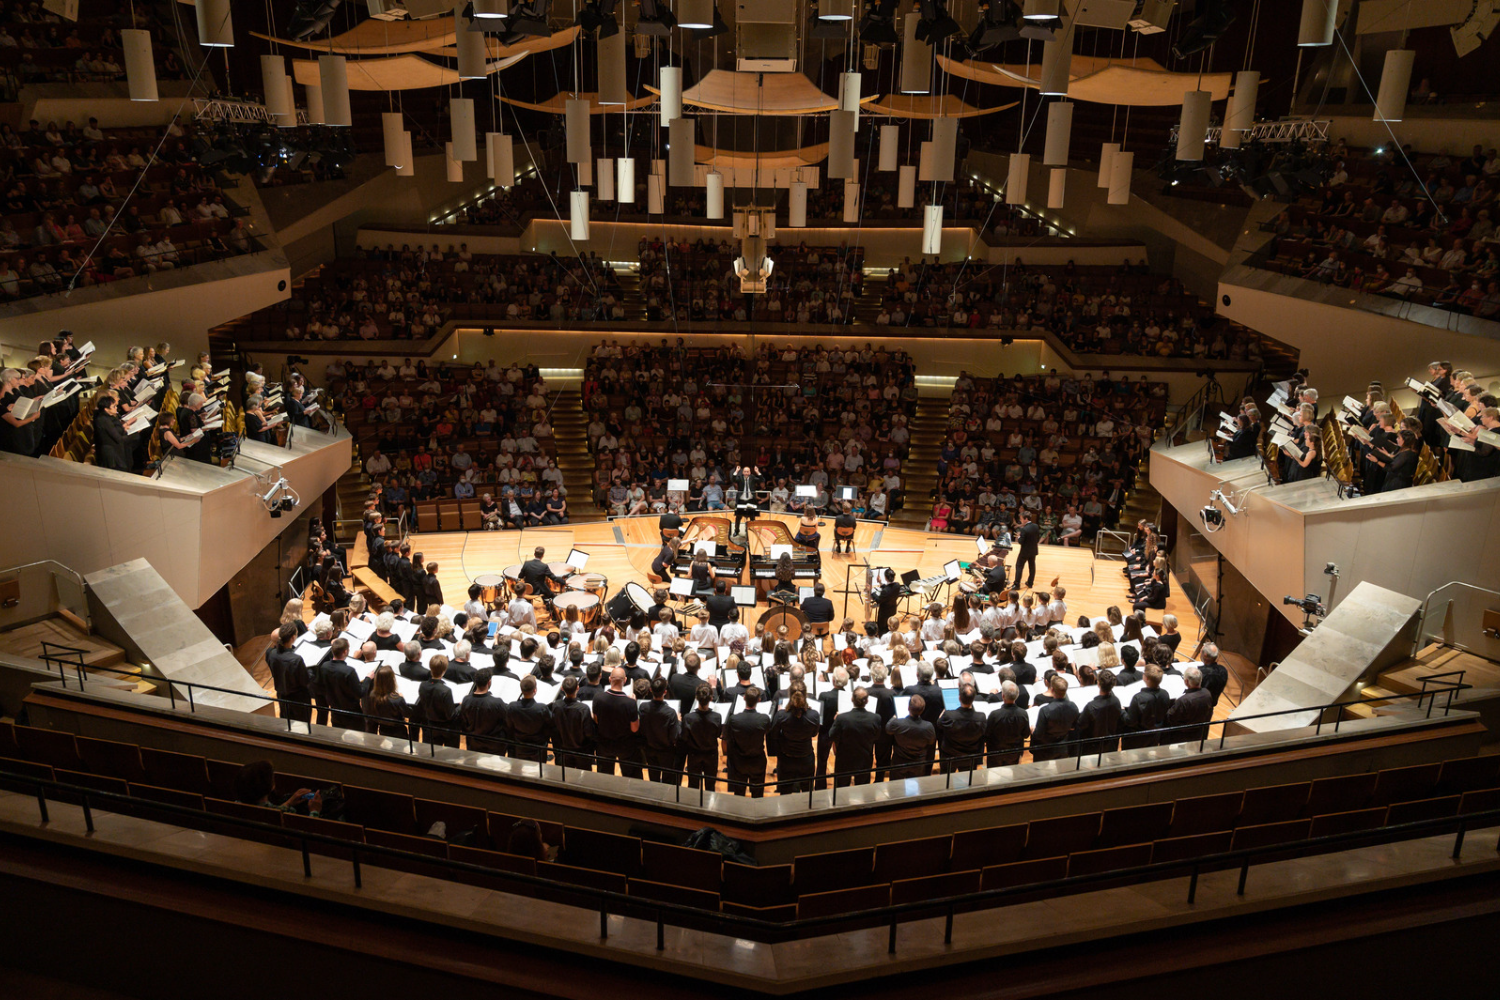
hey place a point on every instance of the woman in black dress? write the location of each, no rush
(1402, 468)
(384, 703)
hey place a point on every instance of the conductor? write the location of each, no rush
(1028, 538)
(887, 596)
(746, 508)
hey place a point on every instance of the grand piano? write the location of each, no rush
(761, 536)
(729, 558)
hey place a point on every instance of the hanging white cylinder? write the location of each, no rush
(796, 210)
(944, 148)
(683, 135)
(926, 162)
(454, 166)
(1016, 178)
(273, 85)
(1192, 130)
(1057, 64)
(215, 26)
(671, 94)
(715, 192)
(625, 180)
(1239, 113)
(655, 194)
(408, 165)
(1059, 134)
(890, 148)
(840, 144)
(288, 120)
(612, 69)
(604, 171)
(1057, 187)
(697, 15)
(849, 84)
(391, 131)
(465, 138)
(906, 186)
(851, 201)
(932, 229)
(491, 9)
(333, 75)
(579, 215)
(576, 120)
(1318, 17)
(472, 51)
(586, 172)
(315, 114)
(916, 59)
(1106, 162)
(140, 67)
(1395, 81)
(502, 158)
(1120, 167)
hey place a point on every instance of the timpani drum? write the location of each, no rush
(490, 586)
(562, 571)
(587, 605)
(589, 583)
(793, 618)
(512, 576)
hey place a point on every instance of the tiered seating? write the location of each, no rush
(697, 283)
(38, 46)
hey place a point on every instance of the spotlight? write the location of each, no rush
(1213, 518)
(527, 20)
(598, 15)
(878, 26)
(655, 19)
(997, 24)
(1202, 31)
(936, 23)
(826, 29)
(718, 28)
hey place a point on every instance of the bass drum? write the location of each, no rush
(792, 618)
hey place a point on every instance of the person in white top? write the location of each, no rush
(733, 630)
(933, 625)
(521, 612)
(704, 634)
(666, 630)
(1057, 608)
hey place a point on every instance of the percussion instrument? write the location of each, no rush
(968, 586)
(633, 597)
(512, 576)
(590, 583)
(559, 570)
(790, 617)
(587, 605)
(490, 586)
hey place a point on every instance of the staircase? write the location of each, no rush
(569, 424)
(867, 306)
(631, 297)
(1406, 678)
(353, 488)
(929, 429)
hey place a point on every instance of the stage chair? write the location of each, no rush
(682, 866)
(380, 810)
(1270, 833)
(97, 782)
(458, 818)
(604, 851)
(587, 877)
(498, 860)
(168, 769)
(1205, 813)
(1061, 835)
(1109, 859)
(49, 746)
(108, 757)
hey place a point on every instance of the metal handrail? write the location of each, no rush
(755, 928)
(1075, 749)
(1426, 610)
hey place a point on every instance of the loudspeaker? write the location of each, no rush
(620, 607)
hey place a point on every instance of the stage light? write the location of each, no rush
(878, 26)
(936, 23)
(655, 19)
(1202, 31)
(999, 23)
(528, 20)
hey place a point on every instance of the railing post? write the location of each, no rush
(1244, 874)
(88, 820)
(1458, 841)
(948, 928)
(661, 933)
(192, 707)
(354, 857)
(890, 948)
(1193, 886)
(603, 923)
(172, 696)
(306, 860)
(41, 802)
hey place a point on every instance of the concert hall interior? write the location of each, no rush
(855, 498)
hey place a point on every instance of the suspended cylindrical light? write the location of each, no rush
(491, 9)
(278, 95)
(1059, 134)
(215, 27)
(695, 14)
(851, 201)
(408, 165)
(465, 139)
(916, 59)
(1016, 178)
(715, 195)
(454, 166)
(1318, 17)
(579, 215)
(655, 194)
(612, 69)
(1040, 10)
(926, 162)
(1121, 165)
(1192, 130)
(944, 148)
(906, 187)
(1057, 65)
(796, 211)
(576, 122)
(1057, 187)
(849, 84)
(890, 147)
(586, 172)
(315, 115)
(140, 68)
(1107, 161)
(1239, 114)
(836, 10)
(391, 131)
(932, 229)
(625, 180)
(671, 94)
(1395, 80)
(333, 74)
(841, 144)
(683, 134)
(472, 50)
(604, 173)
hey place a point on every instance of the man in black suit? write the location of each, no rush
(701, 730)
(887, 596)
(914, 740)
(1007, 729)
(962, 731)
(411, 667)
(460, 670)
(1195, 708)
(1028, 538)
(661, 727)
(1054, 725)
(683, 685)
(828, 710)
(854, 734)
(528, 723)
(435, 702)
(932, 695)
(1215, 676)
(573, 725)
(818, 608)
(481, 716)
(1025, 672)
(1147, 711)
(341, 686)
(719, 604)
(292, 679)
(616, 721)
(744, 746)
(995, 578)
(670, 525)
(539, 576)
(885, 711)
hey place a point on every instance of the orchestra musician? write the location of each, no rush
(663, 565)
(887, 596)
(786, 587)
(843, 529)
(539, 576)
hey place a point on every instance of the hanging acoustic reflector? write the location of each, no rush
(1016, 178)
(333, 75)
(796, 210)
(841, 144)
(655, 194)
(215, 27)
(576, 121)
(683, 135)
(1057, 187)
(408, 165)
(1057, 64)
(851, 201)
(1120, 167)
(1106, 162)
(465, 139)
(586, 172)
(579, 215)
(1395, 80)
(612, 69)
(697, 15)
(140, 68)
(472, 51)
(278, 93)
(671, 94)
(391, 130)
(1059, 134)
(849, 95)
(491, 9)
(916, 59)
(625, 180)
(455, 166)
(1192, 130)
(906, 187)
(1317, 22)
(604, 172)
(944, 148)
(1239, 114)
(890, 147)
(314, 104)
(932, 229)
(715, 191)
(926, 162)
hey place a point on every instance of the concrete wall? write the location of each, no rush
(1458, 135)
(108, 102)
